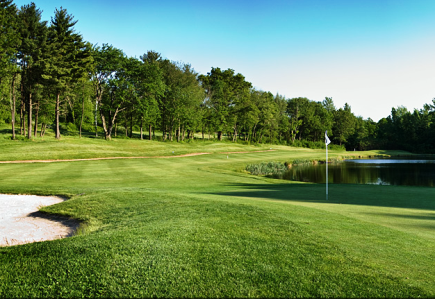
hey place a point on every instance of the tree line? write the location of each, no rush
(50, 77)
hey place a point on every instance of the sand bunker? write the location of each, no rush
(21, 222)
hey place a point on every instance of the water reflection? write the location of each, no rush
(368, 171)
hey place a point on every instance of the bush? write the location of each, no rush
(267, 168)
(317, 145)
(300, 161)
(71, 127)
(88, 127)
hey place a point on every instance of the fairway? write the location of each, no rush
(199, 226)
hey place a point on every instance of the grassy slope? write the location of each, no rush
(197, 227)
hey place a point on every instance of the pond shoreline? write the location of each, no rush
(410, 170)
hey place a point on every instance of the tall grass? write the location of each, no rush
(266, 168)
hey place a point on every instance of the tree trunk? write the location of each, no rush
(65, 114)
(29, 118)
(22, 112)
(164, 128)
(13, 104)
(112, 121)
(131, 125)
(220, 135)
(96, 117)
(176, 134)
(57, 115)
(183, 134)
(179, 133)
(83, 111)
(43, 126)
(150, 131)
(235, 133)
(109, 132)
(126, 125)
(35, 127)
(103, 122)
(141, 128)
(72, 110)
(171, 130)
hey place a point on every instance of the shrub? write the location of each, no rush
(316, 145)
(88, 127)
(267, 168)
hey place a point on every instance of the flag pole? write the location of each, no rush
(327, 141)
(326, 171)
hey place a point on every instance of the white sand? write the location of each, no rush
(20, 221)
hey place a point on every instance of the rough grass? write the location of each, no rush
(200, 227)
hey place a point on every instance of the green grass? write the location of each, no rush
(202, 227)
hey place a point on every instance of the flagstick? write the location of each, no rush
(326, 172)
(327, 141)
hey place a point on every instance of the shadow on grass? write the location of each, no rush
(369, 195)
(403, 216)
(6, 131)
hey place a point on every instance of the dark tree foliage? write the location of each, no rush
(404, 130)
(32, 57)
(226, 92)
(68, 57)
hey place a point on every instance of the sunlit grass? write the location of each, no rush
(202, 227)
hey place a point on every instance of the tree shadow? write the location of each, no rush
(353, 194)
(403, 216)
(7, 131)
(420, 221)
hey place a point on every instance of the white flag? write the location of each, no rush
(327, 141)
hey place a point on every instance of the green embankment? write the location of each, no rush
(200, 227)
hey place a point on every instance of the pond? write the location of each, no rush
(409, 172)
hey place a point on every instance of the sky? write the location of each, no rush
(372, 54)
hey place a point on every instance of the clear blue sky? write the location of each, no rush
(372, 54)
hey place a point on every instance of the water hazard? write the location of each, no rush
(408, 172)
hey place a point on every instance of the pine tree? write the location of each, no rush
(9, 38)
(68, 57)
(9, 41)
(33, 34)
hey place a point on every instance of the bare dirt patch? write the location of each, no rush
(271, 150)
(104, 158)
(113, 158)
(21, 222)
